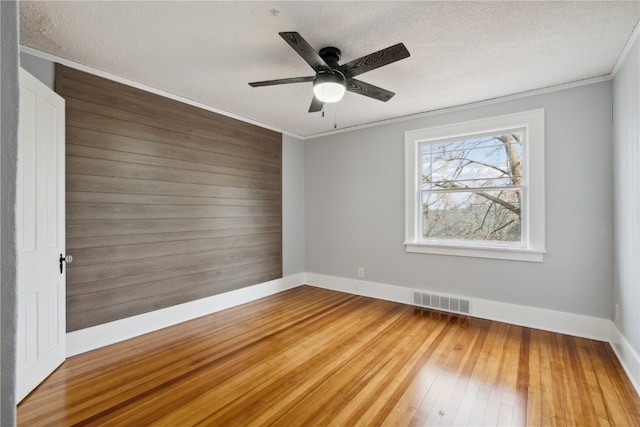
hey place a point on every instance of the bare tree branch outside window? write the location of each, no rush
(472, 188)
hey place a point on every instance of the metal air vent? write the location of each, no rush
(442, 302)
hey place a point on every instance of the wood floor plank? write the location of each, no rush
(363, 374)
(547, 399)
(532, 381)
(431, 408)
(621, 409)
(461, 402)
(380, 394)
(592, 383)
(396, 405)
(314, 357)
(312, 353)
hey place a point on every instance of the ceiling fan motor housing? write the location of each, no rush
(331, 55)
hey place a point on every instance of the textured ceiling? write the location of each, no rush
(461, 52)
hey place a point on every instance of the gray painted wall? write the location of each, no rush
(354, 192)
(626, 131)
(41, 69)
(293, 238)
(8, 162)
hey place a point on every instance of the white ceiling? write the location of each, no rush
(461, 52)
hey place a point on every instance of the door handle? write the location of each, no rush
(68, 259)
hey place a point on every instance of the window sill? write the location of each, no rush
(512, 254)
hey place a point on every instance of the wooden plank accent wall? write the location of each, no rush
(166, 203)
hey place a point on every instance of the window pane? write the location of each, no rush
(485, 161)
(466, 215)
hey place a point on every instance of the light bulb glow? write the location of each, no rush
(329, 87)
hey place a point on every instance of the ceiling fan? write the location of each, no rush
(332, 79)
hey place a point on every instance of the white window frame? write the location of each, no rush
(532, 247)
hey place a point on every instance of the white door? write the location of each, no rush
(40, 234)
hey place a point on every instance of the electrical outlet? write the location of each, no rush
(617, 310)
(361, 272)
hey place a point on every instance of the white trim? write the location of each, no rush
(538, 318)
(549, 320)
(119, 330)
(533, 222)
(445, 110)
(363, 288)
(629, 359)
(491, 252)
(625, 51)
(579, 325)
(142, 86)
(478, 104)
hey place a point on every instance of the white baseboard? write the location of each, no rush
(532, 317)
(361, 287)
(578, 325)
(538, 318)
(119, 330)
(549, 320)
(629, 359)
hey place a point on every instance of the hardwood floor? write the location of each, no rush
(310, 356)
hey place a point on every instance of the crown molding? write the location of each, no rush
(429, 113)
(625, 51)
(141, 86)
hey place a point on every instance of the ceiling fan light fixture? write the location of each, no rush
(329, 87)
(332, 80)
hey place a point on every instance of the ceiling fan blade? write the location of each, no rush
(307, 53)
(282, 81)
(366, 89)
(316, 105)
(375, 60)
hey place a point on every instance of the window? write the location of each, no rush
(477, 188)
